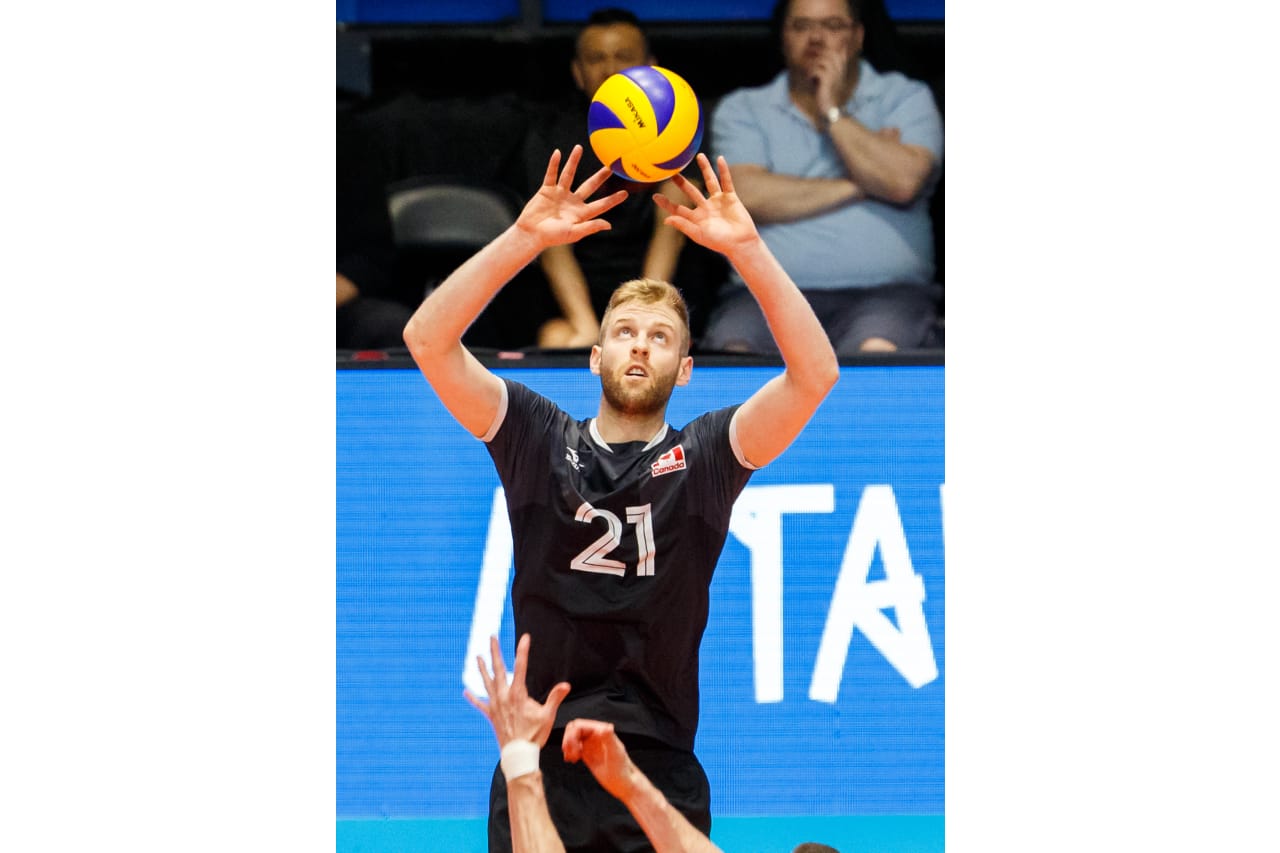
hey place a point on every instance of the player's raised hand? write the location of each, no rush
(596, 744)
(559, 214)
(512, 712)
(717, 220)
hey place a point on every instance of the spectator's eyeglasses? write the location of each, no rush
(831, 25)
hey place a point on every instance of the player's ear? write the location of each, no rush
(686, 368)
(579, 78)
(594, 360)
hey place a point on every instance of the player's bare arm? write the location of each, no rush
(556, 214)
(517, 716)
(769, 421)
(597, 745)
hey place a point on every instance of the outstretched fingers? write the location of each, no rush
(499, 667)
(670, 206)
(555, 697)
(709, 174)
(593, 183)
(477, 704)
(522, 659)
(601, 205)
(687, 187)
(726, 179)
(553, 169)
(570, 167)
(489, 682)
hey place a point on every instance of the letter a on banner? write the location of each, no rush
(857, 601)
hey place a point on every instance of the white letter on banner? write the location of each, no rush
(859, 602)
(757, 523)
(495, 571)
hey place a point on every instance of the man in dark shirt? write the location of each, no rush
(582, 276)
(618, 521)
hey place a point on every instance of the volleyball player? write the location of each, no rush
(618, 520)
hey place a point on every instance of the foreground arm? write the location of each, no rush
(771, 419)
(516, 717)
(667, 829)
(555, 215)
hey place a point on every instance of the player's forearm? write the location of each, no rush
(569, 287)
(803, 343)
(667, 829)
(531, 828)
(771, 197)
(441, 319)
(885, 168)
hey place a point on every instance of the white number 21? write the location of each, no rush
(593, 558)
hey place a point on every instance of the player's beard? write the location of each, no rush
(646, 399)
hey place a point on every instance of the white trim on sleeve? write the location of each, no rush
(733, 442)
(498, 417)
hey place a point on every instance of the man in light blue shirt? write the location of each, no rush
(836, 162)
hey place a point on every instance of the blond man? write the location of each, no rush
(618, 520)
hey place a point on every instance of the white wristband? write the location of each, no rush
(519, 758)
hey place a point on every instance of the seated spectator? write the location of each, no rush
(836, 162)
(582, 277)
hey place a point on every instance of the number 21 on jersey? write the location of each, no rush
(594, 557)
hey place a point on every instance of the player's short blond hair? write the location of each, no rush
(651, 291)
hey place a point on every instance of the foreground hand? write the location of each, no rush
(511, 711)
(718, 220)
(557, 213)
(595, 743)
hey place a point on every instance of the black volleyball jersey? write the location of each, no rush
(614, 548)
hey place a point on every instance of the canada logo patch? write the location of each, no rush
(672, 460)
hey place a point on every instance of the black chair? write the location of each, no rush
(434, 213)
(438, 222)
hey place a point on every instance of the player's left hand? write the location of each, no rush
(717, 220)
(512, 712)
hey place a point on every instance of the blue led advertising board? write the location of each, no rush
(822, 666)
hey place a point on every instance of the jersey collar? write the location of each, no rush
(653, 442)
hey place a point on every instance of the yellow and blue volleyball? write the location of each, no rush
(645, 123)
